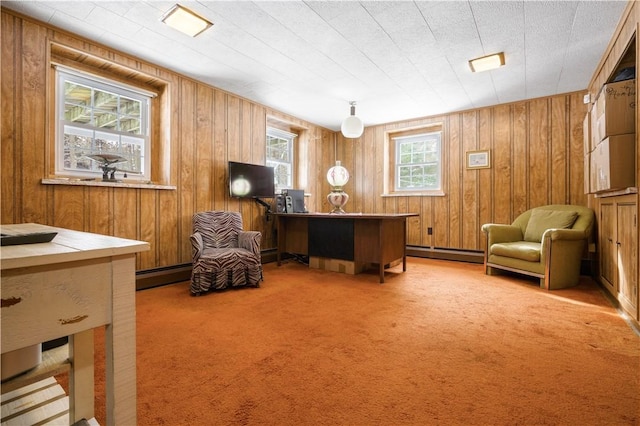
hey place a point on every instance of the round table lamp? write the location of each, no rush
(337, 176)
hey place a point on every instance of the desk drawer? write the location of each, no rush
(46, 302)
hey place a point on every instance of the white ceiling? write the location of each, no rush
(397, 59)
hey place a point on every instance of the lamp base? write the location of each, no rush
(337, 199)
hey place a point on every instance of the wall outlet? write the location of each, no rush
(429, 231)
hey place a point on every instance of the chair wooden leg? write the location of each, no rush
(543, 284)
(491, 271)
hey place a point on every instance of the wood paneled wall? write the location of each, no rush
(537, 158)
(208, 127)
(536, 155)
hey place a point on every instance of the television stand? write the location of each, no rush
(264, 204)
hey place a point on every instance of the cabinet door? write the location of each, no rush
(608, 246)
(627, 258)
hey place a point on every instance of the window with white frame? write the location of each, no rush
(280, 157)
(418, 162)
(100, 120)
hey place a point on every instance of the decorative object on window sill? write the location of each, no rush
(107, 162)
(185, 20)
(337, 176)
(352, 126)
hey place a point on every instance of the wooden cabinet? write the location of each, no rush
(618, 241)
(607, 244)
(615, 171)
(627, 251)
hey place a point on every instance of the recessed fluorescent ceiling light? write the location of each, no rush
(182, 19)
(487, 62)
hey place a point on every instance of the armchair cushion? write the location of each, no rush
(524, 250)
(543, 219)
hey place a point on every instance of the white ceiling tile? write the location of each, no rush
(397, 59)
(41, 10)
(72, 24)
(142, 13)
(415, 41)
(102, 18)
(451, 23)
(79, 10)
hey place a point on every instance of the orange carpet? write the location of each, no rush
(440, 344)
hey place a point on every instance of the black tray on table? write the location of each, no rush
(30, 238)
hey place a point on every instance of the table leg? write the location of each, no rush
(381, 231)
(81, 385)
(120, 345)
(281, 234)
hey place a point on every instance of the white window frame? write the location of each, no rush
(415, 139)
(275, 163)
(64, 74)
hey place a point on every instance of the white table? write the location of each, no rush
(68, 287)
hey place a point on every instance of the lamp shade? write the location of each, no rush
(337, 176)
(352, 126)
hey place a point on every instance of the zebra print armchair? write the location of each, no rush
(223, 255)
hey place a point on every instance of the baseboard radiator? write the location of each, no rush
(178, 273)
(155, 277)
(149, 278)
(471, 256)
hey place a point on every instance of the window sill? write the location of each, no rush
(415, 194)
(99, 182)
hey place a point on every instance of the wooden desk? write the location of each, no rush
(362, 238)
(68, 287)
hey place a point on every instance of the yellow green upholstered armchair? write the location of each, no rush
(546, 242)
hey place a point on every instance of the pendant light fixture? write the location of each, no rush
(352, 126)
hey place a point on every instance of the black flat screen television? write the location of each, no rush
(250, 180)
